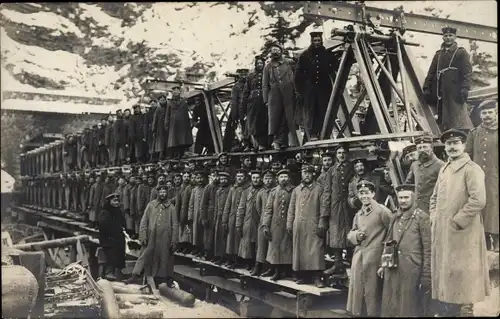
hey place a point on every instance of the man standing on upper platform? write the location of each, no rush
(448, 83)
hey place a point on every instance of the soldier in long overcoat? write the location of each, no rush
(158, 129)
(94, 144)
(406, 285)
(182, 208)
(279, 251)
(424, 172)
(148, 128)
(121, 189)
(143, 193)
(307, 224)
(70, 152)
(111, 237)
(335, 201)
(178, 124)
(247, 221)
(102, 156)
(278, 92)
(234, 114)
(100, 192)
(194, 213)
(204, 134)
(127, 204)
(109, 140)
(158, 236)
(253, 107)
(229, 216)
(137, 138)
(368, 231)
(220, 236)
(460, 275)
(482, 146)
(208, 214)
(448, 83)
(262, 241)
(314, 80)
(119, 139)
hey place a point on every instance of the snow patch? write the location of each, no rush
(43, 19)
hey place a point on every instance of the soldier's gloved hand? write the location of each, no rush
(357, 203)
(239, 231)
(224, 229)
(321, 232)
(464, 94)
(360, 236)
(267, 233)
(204, 223)
(144, 140)
(289, 230)
(380, 272)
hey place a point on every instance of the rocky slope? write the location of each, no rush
(108, 49)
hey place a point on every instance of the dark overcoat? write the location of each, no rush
(220, 237)
(229, 217)
(335, 201)
(314, 77)
(111, 237)
(208, 215)
(148, 129)
(482, 147)
(260, 206)
(194, 215)
(252, 104)
(178, 124)
(449, 73)
(158, 129)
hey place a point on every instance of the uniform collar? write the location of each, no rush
(303, 185)
(458, 163)
(157, 203)
(452, 47)
(405, 214)
(288, 187)
(366, 210)
(431, 161)
(491, 127)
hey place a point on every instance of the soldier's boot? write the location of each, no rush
(318, 279)
(487, 238)
(170, 282)
(109, 275)
(133, 280)
(232, 262)
(257, 269)
(298, 277)
(249, 264)
(337, 265)
(118, 274)
(269, 272)
(277, 273)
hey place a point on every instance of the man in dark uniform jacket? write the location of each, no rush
(148, 128)
(137, 137)
(313, 81)
(118, 139)
(234, 116)
(253, 108)
(448, 83)
(203, 135)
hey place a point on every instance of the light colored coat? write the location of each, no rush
(248, 220)
(305, 217)
(365, 287)
(194, 215)
(458, 258)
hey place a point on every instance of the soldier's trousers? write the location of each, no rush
(102, 156)
(119, 154)
(281, 119)
(67, 193)
(74, 198)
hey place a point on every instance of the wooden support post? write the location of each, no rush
(403, 83)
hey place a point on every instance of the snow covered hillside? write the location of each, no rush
(108, 49)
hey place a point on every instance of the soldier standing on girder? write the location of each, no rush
(278, 92)
(448, 83)
(234, 116)
(178, 125)
(118, 139)
(158, 128)
(137, 137)
(252, 106)
(200, 121)
(313, 81)
(148, 129)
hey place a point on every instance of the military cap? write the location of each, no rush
(118, 110)
(328, 154)
(243, 157)
(449, 30)
(222, 154)
(410, 148)
(113, 196)
(425, 139)
(405, 187)
(162, 96)
(214, 170)
(308, 168)
(365, 184)
(453, 134)
(158, 175)
(259, 58)
(200, 172)
(177, 86)
(268, 173)
(136, 106)
(316, 34)
(343, 146)
(222, 173)
(361, 160)
(242, 71)
(283, 171)
(488, 104)
(94, 126)
(168, 178)
(161, 186)
(255, 171)
(277, 45)
(241, 170)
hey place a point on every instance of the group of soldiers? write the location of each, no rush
(281, 221)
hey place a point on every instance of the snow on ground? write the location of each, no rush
(214, 35)
(7, 182)
(42, 19)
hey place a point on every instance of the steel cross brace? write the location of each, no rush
(399, 20)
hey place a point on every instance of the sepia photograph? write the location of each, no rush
(249, 159)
